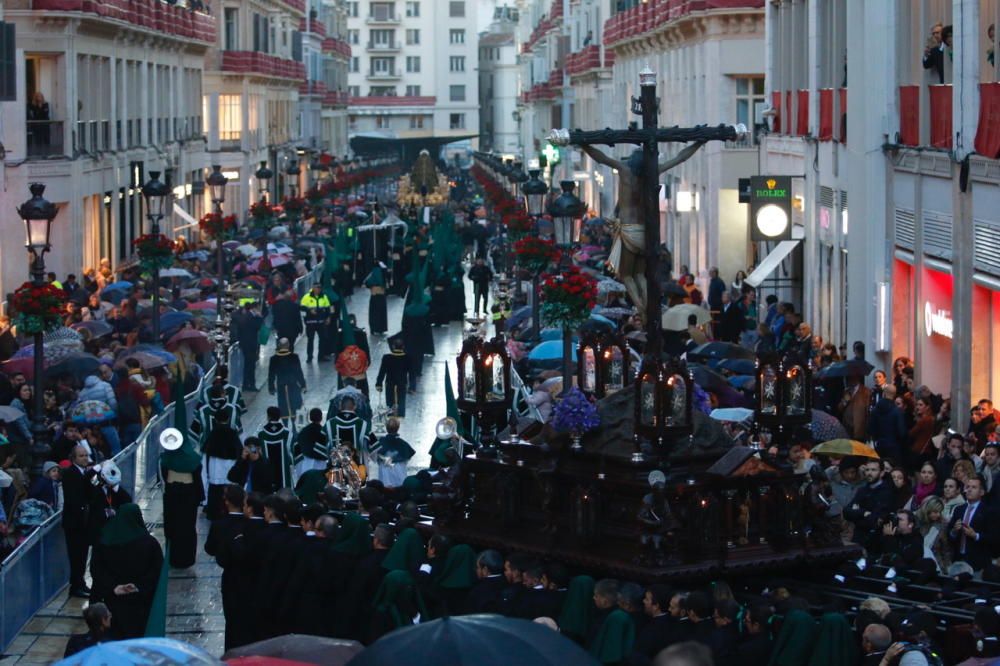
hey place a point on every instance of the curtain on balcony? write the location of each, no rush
(988, 134)
(941, 116)
(909, 115)
(825, 114)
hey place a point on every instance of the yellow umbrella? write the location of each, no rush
(676, 318)
(845, 447)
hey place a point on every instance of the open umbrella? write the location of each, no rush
(548, 351)
(734, 414)
(203, 305)
(121, 285)
(97, 328)
(147, 361)
(671, 288)
(196, 340)
(199, 255)
(142, 652)
(174, 319)
(246, 249)
(206, 283)
(608, 286)
(717, 351)
(299, 647)
(854, 367)
(738, 366)
(77, 365)
(845, 447)
(10, 414)
(62, 336)
(90, 412)
(174, 272)
(24, 366)
(708, 379)
(676, 318)
(519, 315)
(826, 426)
(479, 640)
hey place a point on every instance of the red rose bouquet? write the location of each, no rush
(216, 227)
(38, 308)
(519, 224)
(155, 251)
(534, 254)
(567, 299)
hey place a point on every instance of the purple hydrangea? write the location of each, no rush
(575, 413)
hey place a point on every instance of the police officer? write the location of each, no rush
(316, 309)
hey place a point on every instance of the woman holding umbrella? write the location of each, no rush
(125, 567)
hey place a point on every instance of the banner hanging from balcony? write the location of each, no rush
(941, 116)
(988, 134)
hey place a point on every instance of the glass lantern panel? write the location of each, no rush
(468, 378)
(677, 415)
(589, 370)
(614, 370)
(795, 391)
(768, 390)
(494, 367)
(647, 406)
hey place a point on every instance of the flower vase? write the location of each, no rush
(576, 446)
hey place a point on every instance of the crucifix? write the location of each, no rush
(637, 246)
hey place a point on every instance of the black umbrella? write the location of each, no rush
(76, 364)
(673, 289)
(738, 366)
(300, 648)
(709, 379)
(719, 350)
(855, 367)
(474, 640)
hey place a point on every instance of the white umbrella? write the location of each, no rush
(174, 272)
(246, 249)
(676, 318)
(734, 414)
(608, 286)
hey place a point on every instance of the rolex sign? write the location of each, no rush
(770, 208)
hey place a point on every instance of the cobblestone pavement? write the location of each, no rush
(194, 604)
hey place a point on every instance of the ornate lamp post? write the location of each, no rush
(535, 190)
(217, 190)
(663, 402)
(264, 176)
(292, 172)
(784, 395)
(484, 381)
(602, 363)
(157, 194)
(37, 214)
(566, 209)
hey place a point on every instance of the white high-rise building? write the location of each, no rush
(498, 84)
(413, 75)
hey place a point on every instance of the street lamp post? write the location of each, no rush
(565, 210)
(535, 190)
(264, 176)
(37, 214)
(156, 193)
(217, 189)
(293, 172)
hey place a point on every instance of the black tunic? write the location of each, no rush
(221, 544)
(309, 595)
(138, 562)
(180, 513)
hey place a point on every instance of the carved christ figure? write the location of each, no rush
(627, 258)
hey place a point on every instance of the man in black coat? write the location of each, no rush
(486, 596)
(246, 562)
(872, 502)
(287, 319)
(256, 567)
(394, 374)
(971, 528)
(251, 472)
(366, 580)
(275, 573)
(310, 587)
(755, 649)
(902, 544)
(77, 492)
(220, 544)
(730, 319)
(653, 636)
(480, 276)
(246, 325)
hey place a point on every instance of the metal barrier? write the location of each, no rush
(38, 569)
(305, 283)
(520, 403)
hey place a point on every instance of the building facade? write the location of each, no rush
(916, 149)
(323, 95)
(123, 86)
(498, 84)
(412, 76)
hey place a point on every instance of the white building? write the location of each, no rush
(123, 86)
(413, 74)
(323, 95)
(709, 65)
(916, 273)
(498, 84)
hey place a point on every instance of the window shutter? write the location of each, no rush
(8, 73)
(297, 46)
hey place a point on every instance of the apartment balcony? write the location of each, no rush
(151, 15)
(588, 60)
(336, 99)
(297, 6)
(382, 47)
(337, 47)
(45, 139)
(655, 15)
(312, 27)
(384, 76)
(263, 64)
(317, 88)
(383, 101)
(383, 19)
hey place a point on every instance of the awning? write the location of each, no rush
(771, 263)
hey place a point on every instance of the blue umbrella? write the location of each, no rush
(549, 351)
(484, 640)
(114, 295)
(174, 319)
(519, 315)
(548, 334)
(602, 319)
(734, 414)
(738, 366)
(142, 652)
(200, 255)
(742, 382)
(121, 285)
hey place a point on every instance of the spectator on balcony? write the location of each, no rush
(991, 35)
(38, 116)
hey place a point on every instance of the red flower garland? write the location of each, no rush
(215, 227)
(38, 308)
(534, 254)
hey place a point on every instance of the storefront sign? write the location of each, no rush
(937, 322)
(770, 208)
